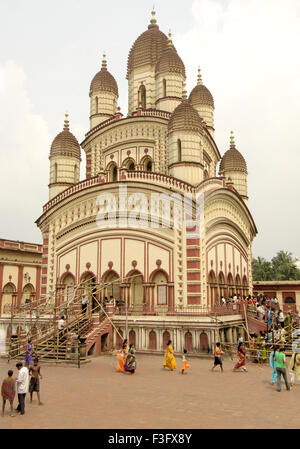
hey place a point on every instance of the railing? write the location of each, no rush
(145, 309)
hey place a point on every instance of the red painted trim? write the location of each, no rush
(38, 282)
(1, 286)
(20, 283)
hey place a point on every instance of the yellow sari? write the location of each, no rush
(169, 359)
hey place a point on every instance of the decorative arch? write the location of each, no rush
(166, 338)
(136, 288)
(188, 341)
(64, 275)
(230, 284)
(212, 287)
(152, 340)
(86, 274)
(128, 162)
(107, 274)
(132, 337)
(147, 163)
(222, 284)
(134, 272)
(28, 292)
(112, 169)
(142, 96)
(112, 289)
(156, 271)
(9, 297)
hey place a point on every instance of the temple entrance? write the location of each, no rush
(132, 337)
(152, 340)
(188, 341)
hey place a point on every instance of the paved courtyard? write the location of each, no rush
(96, 396)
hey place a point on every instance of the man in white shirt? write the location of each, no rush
(22, 386)
(223, 300)
(61, 325)
(84, 303)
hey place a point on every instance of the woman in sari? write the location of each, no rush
(169, 359)
(130, 362)
(121, 358)
(241, 355)
(29, 354)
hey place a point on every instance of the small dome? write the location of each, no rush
(185, 118)
(232, 159)
(65, 143)
(169, 61)
(200, 94)
(104, 80)
(148, 47)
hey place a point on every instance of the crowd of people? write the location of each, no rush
(28, 380)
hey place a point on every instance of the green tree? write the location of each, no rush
(284, 267)
(262, 269)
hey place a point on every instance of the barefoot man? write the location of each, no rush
(35, 373)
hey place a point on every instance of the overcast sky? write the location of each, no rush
(248, 51)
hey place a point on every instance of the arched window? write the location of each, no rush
(164, 88)
(96, 105)
(142, 96)
(55, 172)
(148, 166)
(179, 155)
(75, 173)
(206, 176)
(131, 166)
(113, 172)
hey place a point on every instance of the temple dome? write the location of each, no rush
(104, 80)
(148, 47)
(185, 118)
(200, 94)
(169, 61)
(65, 143)
(232, 160)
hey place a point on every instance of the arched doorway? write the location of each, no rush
(88, 290)
(245, 286)
(222, 285)
(289, 304)
(212, 288)
(152, 340)
(142, 97)
(132, 337)
(68, 288)
(204, 342)
(161, 288)
(136, 291)
(230, 285)
(113, 287)
(238, 285)
(28, 293)
(188, 341)
(166, 338)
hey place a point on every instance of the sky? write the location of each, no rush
(248, 51)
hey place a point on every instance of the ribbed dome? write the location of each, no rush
(232, 160)
(65, 143)
(201, 95)
(104, 80)
(185, 118)
(169, 61)
(148, 47)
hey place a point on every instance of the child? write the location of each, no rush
(184, 365)
(218, 360)
(35, 373)
(8, 391)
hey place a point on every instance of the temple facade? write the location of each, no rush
(161, 212)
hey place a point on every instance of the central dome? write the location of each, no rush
(148, 47)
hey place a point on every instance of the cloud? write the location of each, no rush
(249, 55)
(25, 140)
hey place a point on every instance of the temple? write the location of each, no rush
(165, 274)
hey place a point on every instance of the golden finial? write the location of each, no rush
(170, 43)
(104, 63)
(232, 143)
(199, 79)
(184, 92)
(153, 23)
(66, 122)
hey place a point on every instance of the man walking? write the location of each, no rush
(218, 360)
(22, 386)
(84, 303)
(281, 369)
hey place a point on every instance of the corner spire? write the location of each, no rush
(199, 78)
(104, 63)
(153, 23)
(66, 122)
(170, 43)
(232, 142)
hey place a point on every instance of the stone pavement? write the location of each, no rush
(96, 396)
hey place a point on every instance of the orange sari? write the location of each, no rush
(120, 365)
